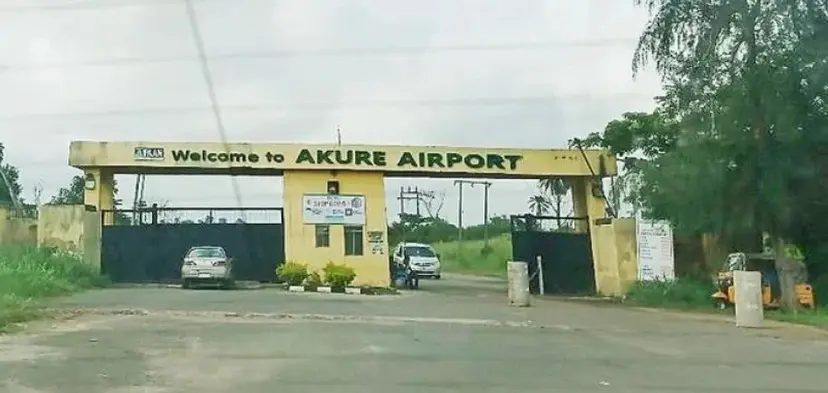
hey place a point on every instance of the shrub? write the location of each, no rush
(820, 287)
(314, 280)
(292, 273)
(680, 293)
(29, 274)
(338, 276)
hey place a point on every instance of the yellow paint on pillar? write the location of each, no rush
(300, 238)
(101, 194)
(588, 202)
(626, 252)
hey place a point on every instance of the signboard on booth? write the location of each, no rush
(328, 209)
(656, 260)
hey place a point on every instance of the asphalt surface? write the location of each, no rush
(454, 335)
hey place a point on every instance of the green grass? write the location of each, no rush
(818, 317)
(692, 294)
(30, 275)
(688, 294)
(469, 257)
(683, 293)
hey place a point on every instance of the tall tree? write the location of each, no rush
(727, 67)
(635, 139)
(71, 195)
(557, 190)
(539, 205)
(10, 188)
(739, 83)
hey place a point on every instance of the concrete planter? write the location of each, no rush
(325, 289)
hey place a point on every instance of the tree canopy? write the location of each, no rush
(737, 145)
(10, 188)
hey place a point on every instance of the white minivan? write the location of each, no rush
(425, 262)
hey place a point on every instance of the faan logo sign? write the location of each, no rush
(149, 154)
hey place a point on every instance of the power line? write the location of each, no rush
(340, 105)
(211, 90)
(83, 5)
(328, 52)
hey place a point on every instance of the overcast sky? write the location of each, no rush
(506, 73)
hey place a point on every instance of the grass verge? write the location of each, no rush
(30, 275)
(471, 257)
(694, 294)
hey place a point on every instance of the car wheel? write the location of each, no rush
(437, 277)
(185, 284)
(228, 284)
(721, 304)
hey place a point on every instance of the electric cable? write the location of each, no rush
(211, 91)
(83, 5)
(325, 52)
(340, 105)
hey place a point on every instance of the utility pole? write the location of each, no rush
(338, 136)
(409, 194)
(486, 185)
(138, 198)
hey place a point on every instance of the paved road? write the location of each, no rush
(455, 335)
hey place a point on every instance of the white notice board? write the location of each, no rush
(656, 260)
(333, 209)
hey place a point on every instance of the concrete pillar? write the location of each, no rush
(579, 203)
(588, 202)
(99, 191)
(747, 287)
(518, 275)
(300, 239)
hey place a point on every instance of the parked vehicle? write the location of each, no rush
(207, 265)
(422, 259)
(771, 290)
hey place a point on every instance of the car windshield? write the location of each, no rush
(206, 253)
(419, 251)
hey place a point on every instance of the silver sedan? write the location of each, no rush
(207, 265)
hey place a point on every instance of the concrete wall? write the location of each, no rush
(14, 230)
(300, 239)
(626, 250)
(616, 268)
(61, 226)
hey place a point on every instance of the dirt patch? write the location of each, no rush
(15, 387)
(23, 352)
(200, 367)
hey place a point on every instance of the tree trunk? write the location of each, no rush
(787, 272)
(558, 203)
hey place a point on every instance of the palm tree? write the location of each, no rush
(539, 205)
(557, 189)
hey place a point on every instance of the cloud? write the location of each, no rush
(314, 71)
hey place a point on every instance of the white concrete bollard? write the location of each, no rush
(747, 288)
(518, 274)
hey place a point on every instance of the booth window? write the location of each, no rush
(353, 240)
(323, 236)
